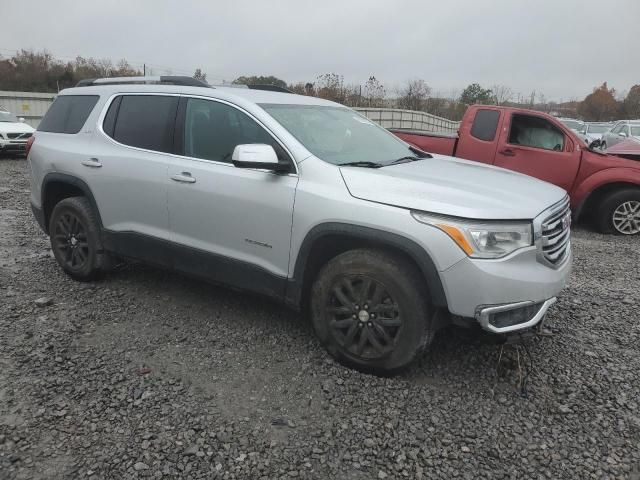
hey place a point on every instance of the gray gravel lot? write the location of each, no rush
(147, 374)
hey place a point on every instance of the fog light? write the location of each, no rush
(508, 318)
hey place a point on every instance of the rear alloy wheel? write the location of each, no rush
(370, 310)
(75, 239)
(620, 213)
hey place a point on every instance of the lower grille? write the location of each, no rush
(556, 232)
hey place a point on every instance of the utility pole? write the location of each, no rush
(144, 69)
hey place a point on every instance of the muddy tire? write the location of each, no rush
(74, 233)
(371, 311)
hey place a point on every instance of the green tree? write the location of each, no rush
(600, 105)
(474, 93)
(260, 80)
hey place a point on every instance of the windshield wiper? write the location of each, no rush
(360, 164)
(408, 158)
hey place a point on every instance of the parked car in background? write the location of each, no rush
(605, 188)
(577, 126)
(622, 130)
(14, 134)
(300, 199)
(594, 130)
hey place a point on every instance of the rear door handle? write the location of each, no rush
(92, 162)
(507, 152)
(184, 177)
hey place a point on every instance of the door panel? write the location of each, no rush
(520, 148)
(241, 214)
(244, 215)
(127, 165)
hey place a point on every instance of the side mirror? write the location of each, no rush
(21, 120)
(257, 155)
(623, 134)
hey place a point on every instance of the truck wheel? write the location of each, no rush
(75, 239)
(620, 213)
(370, 311)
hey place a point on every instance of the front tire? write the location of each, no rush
(370, 310)
(619, 213)
(75, 239)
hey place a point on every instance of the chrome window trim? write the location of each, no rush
(105, 109)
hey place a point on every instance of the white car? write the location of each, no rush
(14, 133)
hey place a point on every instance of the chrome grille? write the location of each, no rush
(555, 233)
(18, 135)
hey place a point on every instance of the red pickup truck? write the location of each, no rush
(604, 188)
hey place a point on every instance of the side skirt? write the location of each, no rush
(194, 262)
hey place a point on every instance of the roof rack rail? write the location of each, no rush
(164, 79)
(270, 88)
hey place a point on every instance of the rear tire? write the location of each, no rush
(370, 310)
(619, 213)
(74, 233)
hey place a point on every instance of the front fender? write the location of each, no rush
(599, 179)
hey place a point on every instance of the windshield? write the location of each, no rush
(8, 117)
(597, 128)
(635, 131)
(339, 135)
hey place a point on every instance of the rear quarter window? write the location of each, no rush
(485, 124)
(68, 114)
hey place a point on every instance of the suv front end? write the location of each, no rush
(513, 292)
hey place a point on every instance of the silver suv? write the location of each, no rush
(300, 199)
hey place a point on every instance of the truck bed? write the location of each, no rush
(429, 142)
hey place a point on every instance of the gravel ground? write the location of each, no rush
(150, 374)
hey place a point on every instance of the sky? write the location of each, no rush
(560, 48)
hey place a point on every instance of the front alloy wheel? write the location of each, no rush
(371, 310)
(626, 218)
(364, 318)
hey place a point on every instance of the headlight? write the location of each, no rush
(482, 239)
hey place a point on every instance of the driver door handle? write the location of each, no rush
(184, 177)
(507, 152)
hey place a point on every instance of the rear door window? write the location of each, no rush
(485, 124)
(143, 121)
(68, 114)
(536, 132)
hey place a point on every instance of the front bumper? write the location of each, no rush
(476, 289)
(514, 316)
(13, 146)
(38, 213)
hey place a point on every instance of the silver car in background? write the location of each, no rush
(621, 131)
(594, 131)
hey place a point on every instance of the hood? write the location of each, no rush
(451, 186)
(16, 127)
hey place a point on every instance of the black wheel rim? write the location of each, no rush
(363, 317)
(70, 241)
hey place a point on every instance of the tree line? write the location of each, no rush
(33, 71)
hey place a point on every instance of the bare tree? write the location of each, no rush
(501, 94)
(413, 95)
(374, 92)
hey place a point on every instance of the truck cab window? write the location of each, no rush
(536, 132)
(485, 124)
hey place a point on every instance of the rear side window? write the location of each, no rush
(68, 113)
(143, 121)
(485, 124)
